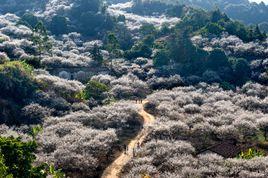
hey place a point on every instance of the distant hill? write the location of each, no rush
(242, 10)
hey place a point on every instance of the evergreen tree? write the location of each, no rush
(58, 25)
(113, 45)
(40, 39)
(161, 58)
(95, 90)
(96, 54)
(29, 19)
(181, 48)
(217, 59)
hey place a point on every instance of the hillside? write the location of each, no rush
(124, 88)
(241, 10)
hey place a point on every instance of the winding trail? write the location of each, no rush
(117, 165)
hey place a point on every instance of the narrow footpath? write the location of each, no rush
(117, 165)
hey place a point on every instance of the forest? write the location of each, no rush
(129, 89)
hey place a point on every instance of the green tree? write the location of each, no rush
(91, 23)
(241, 70)
(164, 30)
(247, 34)
(17, 158)
(161, 58)
(29, 20)
(58, 25)
(124, 37)
(148, 40)
(35, 131)
(33, 61)
(217, 59)
(113, 45)
(95, 90)
(3, 168)
(148, 29)
(89, 17)
(217, 16)
(139, 50)
(142, 48)
(257, 34)
(251, 153)
(16, 80)
(40, 39)
(96, 54)
(181, 48)
(194, 20)
(213, 28)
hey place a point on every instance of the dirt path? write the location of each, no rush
(116, 167)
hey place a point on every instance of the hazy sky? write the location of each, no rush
(266, 1)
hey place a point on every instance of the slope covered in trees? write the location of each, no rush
(71, 72)
(241, 10)
(192, 119)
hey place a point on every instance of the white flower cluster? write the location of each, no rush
(70, 51)
(15, 39)
(191, 119)
(81, 142)
(234, 46)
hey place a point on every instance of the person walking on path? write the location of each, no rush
(139, 145)
(116, 167)
(125, 148)
(134, 151)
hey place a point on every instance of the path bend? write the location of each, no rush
(115, 168)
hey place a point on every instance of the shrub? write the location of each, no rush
(241, 69)
(213, 28)
(95, 90)
(217, 59)
(251, 153)
(3, 168)
(211, 77)
(161, 58)
(16, 80)
(139, 50)
(58, 25)
(17, 158)
(29, 20)
(33, 61)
